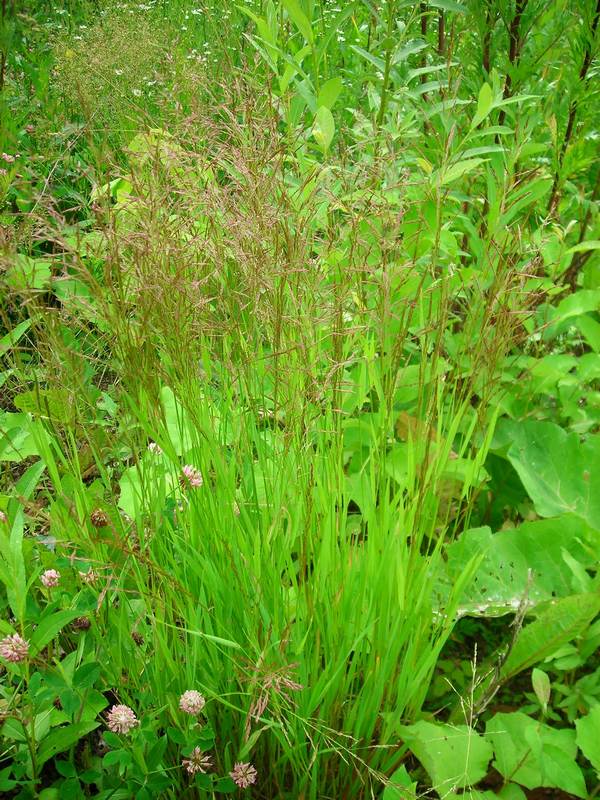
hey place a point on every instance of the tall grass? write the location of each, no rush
(269, 326)
(303, 327)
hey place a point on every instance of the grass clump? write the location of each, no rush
(251, 424)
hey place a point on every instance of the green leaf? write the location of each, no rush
(453, 756)
(11, 339)
(400, 786)
(62, 738)
(329, 93)
(485, 103)
(534, 754)
(512, 792)
(86, 675)
(324, 128)
(50, 627)
(377, 62)
(449, 5)
(582, 247)
(52, 404)
(588, 736)
(559, 473)
(520, 198)
(16, 440)
(561, 622)
(452, 173)
(508, 557)
(299, 18)
(29, 273)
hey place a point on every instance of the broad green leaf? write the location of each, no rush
(561, 622)
(299, 18)
(130, 491)
(324, 128)
(62, 739)
(508, 557)
(176, 419)
(50, 627)
(453, 756)
(511, 792)
(484, 105)
(16, 440)
(585, 301)
(329, 92)
(559, 473)
(29, 273)
(588, 736)
(535, 755)
(52, 404)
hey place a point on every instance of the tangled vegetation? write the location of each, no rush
(300, 399)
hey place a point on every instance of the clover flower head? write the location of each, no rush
(50, 578)
(191, 476)
(121, 719)
(154, 448)
(243, 775)
(197, 762)
(14, 648)
(192, 702)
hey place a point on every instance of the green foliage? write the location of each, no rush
(300, 398)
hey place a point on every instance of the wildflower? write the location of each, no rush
(121, 719)
(3, 517)
(191, 476)
(14, 648)
(7, 158)
(154, 448)
(136, 92)
(197, 762)
(243, 775)
(192, 702)
(50, 578)
(99, 518)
